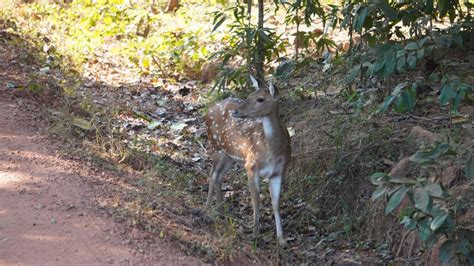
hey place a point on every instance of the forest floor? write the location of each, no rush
(58, 205)
(48, 209)
(110, 167)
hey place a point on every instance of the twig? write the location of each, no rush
(410, 250)
(202, 146)
(165, 73)
(402, 241)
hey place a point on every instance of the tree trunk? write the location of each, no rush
(172, 6)
(260, 44)
(249, 55)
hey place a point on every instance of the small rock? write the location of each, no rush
(450, 176)
(403, 168)
(419, 135)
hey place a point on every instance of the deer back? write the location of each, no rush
(240, 138)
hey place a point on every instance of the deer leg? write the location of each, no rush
(221, 164)
(216, 160)
(211, 189)
(254, 187)
(275, 188)
(227, 163)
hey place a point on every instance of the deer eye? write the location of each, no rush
(260, 100)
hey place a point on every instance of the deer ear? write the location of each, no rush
(273, 91)
(254, 82)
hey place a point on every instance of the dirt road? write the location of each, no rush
(47, 216)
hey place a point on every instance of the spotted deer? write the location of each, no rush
(250, 132)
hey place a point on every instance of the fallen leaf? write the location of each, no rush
(178, 126)
(154, 124)
(291, 131)
(81, 123)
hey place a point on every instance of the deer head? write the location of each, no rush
(260, 103)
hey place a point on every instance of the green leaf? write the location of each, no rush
(423, 200)
(433, 154)
(401, 62)
(420, 54)
(218, 23)
(447, 93)
(353, 73)
(379, 192)
(378, 178)
(411, 46)
(424, 229)
(378, 65)
(408, 223)
(398, 89)
(361, 19)
(438, 221)
(402, 180)
(371, 40)
(400, 105)
(435, 190)
(389, 11)
(108, 20)
(411, 61)
(390, 64)
(395, 199)
(469, 168)
(409, 99)
(387, 103)
(422, 41)
(447, 251)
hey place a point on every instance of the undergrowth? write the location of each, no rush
(150, 41)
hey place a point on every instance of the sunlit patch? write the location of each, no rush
(8, 179)
(44, 237)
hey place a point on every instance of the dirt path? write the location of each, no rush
(45, 214)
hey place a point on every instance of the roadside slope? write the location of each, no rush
(47, 212)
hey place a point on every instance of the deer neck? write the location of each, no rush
(274, 133)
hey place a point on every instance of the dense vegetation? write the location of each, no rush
(345, 70)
